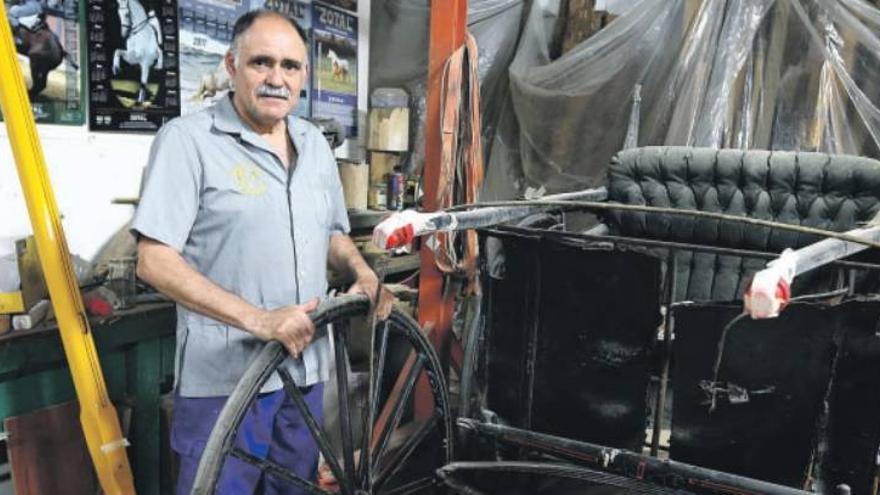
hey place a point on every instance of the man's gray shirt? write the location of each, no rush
(216, 192)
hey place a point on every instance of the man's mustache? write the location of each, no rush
(273, 92)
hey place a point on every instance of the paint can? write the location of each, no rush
(396, 190)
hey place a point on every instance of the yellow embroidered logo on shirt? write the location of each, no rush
(249, 179)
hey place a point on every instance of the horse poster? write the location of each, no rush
(205, 34)
(334, 66)
(133, 65)
(47, 40)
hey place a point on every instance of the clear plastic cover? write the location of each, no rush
(766, 74)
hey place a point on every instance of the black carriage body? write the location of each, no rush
(569, 335)
(572, 323)
(777, 378)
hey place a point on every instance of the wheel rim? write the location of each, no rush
(376, 462)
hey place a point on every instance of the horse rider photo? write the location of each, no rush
(28, 13)
(37, 41)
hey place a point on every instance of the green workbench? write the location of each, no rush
(136, 349)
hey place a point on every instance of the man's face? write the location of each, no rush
(270, 71)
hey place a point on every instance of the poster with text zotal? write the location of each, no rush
(334, 66)
(47, 43)
(133, 64)
(205, 34)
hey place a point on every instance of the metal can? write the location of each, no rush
(396, 190)
(379, 196)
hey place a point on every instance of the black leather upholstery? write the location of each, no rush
(834, 192)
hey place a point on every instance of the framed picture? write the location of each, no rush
(334, 66)
(205, 33)
(133, 64)
(47, 42)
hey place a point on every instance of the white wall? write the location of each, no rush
(88, 170)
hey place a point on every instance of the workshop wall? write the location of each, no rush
(87, 171)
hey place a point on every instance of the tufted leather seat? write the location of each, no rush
(833, 192)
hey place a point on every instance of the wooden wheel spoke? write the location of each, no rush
(344, 410)
(273, 468)
(317, 431)
(397, 410)
(377, 373)
(402, 454)
(413, 487)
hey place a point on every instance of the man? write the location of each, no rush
(240, 212)
(26, 8)
(18, 11)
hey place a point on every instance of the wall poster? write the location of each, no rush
(47, 42)
(133, 69)
(334, 66)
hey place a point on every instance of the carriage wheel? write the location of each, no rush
(389, 466)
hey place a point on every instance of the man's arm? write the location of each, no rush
(165, 269)
(344, 257)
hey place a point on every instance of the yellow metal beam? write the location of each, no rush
(97, 414)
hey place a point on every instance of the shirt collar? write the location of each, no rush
(226, 119)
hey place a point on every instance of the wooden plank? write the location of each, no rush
(48, 454)
(577, 21)
(581, 22)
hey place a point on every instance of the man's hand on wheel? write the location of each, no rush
(290, 325)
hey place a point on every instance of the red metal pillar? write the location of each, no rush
(448, 27)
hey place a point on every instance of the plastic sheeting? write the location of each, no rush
(766, 74)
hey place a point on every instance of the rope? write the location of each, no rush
(598, 206)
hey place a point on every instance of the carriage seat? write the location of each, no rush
(833, 192)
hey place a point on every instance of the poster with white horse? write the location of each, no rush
(205, 33)
(133, 64)
(47, 41)
(334, 66)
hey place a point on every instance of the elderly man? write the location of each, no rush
(240, 213)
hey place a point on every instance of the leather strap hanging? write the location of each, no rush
(461, 165)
